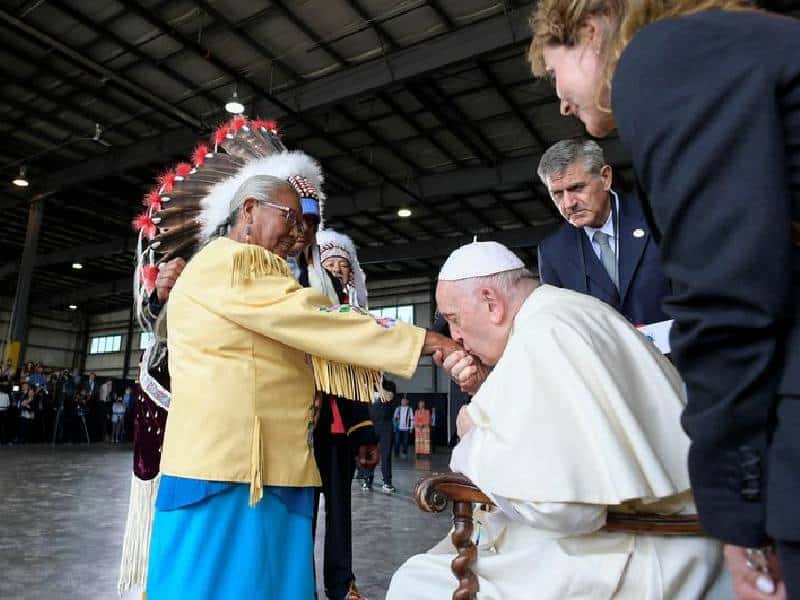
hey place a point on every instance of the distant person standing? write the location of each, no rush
(117, 420)
(382, 413)
(422, 430)
(404, 421)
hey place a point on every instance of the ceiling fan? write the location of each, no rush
(98, 133)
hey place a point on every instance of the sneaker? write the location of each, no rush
(388, 488)
(365, 487)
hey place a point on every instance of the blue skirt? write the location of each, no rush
(221, 547)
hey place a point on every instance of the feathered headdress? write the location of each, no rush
(191, 202)
(332, 243)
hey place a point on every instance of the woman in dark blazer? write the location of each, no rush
(705, 95)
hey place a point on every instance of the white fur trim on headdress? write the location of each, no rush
(333, 243)
(216, 205)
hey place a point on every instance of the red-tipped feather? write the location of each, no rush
(237, 123)
(146, 225)
(167, 181)
(220, 133)
(149, 274)
(153, 200)
(267, 124)
(183, 169)
(199, 155)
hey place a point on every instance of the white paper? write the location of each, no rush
(658, 333)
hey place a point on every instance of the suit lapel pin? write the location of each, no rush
(638, 233)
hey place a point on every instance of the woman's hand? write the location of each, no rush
(438, 343)
(168, 274)
(750, 583)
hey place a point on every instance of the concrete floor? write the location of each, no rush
(62, 514)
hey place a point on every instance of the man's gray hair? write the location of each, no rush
(561, 155)
(259, 187)
(505, 282)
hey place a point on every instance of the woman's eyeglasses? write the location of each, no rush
(289, 213)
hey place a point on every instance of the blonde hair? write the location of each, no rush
(560, 23)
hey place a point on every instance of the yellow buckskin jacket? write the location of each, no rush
(247, 348)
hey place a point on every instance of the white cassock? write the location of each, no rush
(581, 415)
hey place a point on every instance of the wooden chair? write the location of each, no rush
(434, 493)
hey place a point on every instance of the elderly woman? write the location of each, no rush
(706, 97)
(234, 507)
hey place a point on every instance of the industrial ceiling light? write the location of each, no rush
(21, 180)
(77, 265)
(404, 213)
(234, 105)
(73, 307)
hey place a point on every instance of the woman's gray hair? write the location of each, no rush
(259, 187)
(561, 155)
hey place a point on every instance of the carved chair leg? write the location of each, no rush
(467, 552)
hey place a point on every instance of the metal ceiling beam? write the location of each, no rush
(523, 237)
(244, 36)
(467, 180)
(29, 109)
(430, 55)
(462, 119)
(463, 181)
(412, 124)
(308, 32)
(441, 51)
(440, 12)
(45, 66)
(100, 71)
(193, 46)
(385, 39)
(416, 112)
(141, 56)
(512, 104)
(84, 294)
(416, 170)
(450, 124)
(510, 208)
(155, 149)
(108, 35)
(78, 253)
(513, 238)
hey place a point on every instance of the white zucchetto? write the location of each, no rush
(479, 259)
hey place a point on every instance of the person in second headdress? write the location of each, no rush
(344, 435)
(339, 257)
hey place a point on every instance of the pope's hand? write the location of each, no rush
(464, 422)
(168, 274)
(752, 584)
(368, 457)
(466, 370)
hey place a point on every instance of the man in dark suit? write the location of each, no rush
(605, 249)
